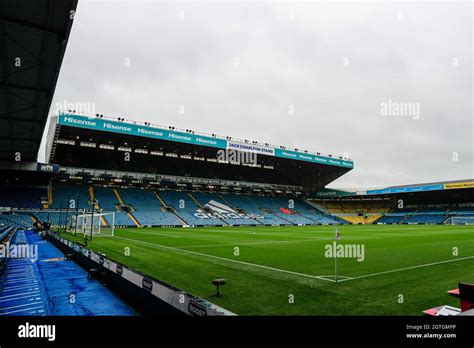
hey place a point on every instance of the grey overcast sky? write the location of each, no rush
(315, 76)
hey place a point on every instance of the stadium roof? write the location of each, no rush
(33, 39)
(145, 129)
(432, 186)
(77, 141)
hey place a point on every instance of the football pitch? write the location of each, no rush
(382, 269)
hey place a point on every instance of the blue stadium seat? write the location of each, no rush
(391, 219)
(21, 196)
(63, 194)
(186, 208)
(109, 203)
(22, 220)
(425, 218)
(147, 208)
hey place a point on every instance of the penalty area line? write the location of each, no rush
(408, 268)
(230, 260)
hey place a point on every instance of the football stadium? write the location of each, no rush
(176, 219)
(132, 218)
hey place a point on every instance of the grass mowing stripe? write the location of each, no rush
(229, 260)
(153, 234)
(256, 243)
(213, 232)
(255, 290)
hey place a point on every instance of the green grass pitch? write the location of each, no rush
(285, 271)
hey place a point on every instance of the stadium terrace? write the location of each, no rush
(128, 218)
(173, 195)
(74, 141)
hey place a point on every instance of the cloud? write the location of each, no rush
(237, 68)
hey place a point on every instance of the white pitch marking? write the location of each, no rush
(230, 260)
(326, 279)
(408, 268)
(256, 243)
(154, 234)
(190, 232)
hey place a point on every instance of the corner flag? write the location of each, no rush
(338, 235)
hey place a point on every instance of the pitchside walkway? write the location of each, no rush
(52, 285)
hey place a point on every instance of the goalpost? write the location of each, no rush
(99, 224)
(460, 220)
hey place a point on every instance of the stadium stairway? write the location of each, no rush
(147, 208)
(228, 200)
(390, 219)
(186, 207)
(403, 219)
(47, 284)
(318, 207)
(313, 214)
(282, 218)
(108, 202)
(194, 199)
(130, 215)
(213, 200)
(275, 204)
(360, 220)
(180, 208)
(246, 202)
(50, 196)
(271, 207)
(172, 210)
(202, 198)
